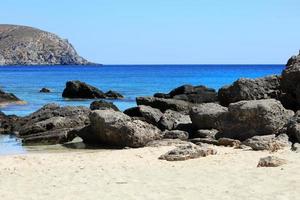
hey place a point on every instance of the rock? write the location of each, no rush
(271, 161)
(166, 142)
(117, 129)
(204, 133)
(147, 113)
(172, 120)
(8, 97)
(22, 45)
(296, 147)
(162, 95)
(176, 134)
(250, 89)
(293, 127)
(113, 95)
(268, 142)
(78, 89)
(52, 124)
(165, 104)
(103, 105)
(229, 142)
(8, 123)
(205, 116)
(186, 152)
(198, 141)
(45, 90)
(246, 119)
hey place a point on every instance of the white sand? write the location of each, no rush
(138, 174)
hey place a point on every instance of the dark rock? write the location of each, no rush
(271, 161)
(147, 113)
(176, 134)
(113, 95)
(8, 123)
(186, 152)
(268, 142)
(52, 124)
(296, 147)
(162, 95)
(205, 141)
(21, 45)
(293, 127)
(78, 89)
(205, 133)
(165, 104)
(172, 120)
(246, 119)
(117, 129)
(8, 97)
(250, 89)
(205, 116)
(103, 105)
(229, 142)
(45, 90)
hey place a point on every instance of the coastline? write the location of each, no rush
(139, 174)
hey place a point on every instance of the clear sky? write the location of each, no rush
(167, 31)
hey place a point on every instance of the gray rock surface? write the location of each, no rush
(205, 116)
(103, 105)
(250, 89)
(114, 128)
(22, 45)
(293, 127)
(246, 119)
(176, 134)
(147, 113)
(271, 161)
(172, 120)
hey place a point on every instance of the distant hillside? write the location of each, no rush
(21, 45)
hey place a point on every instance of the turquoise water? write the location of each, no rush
(131, 81)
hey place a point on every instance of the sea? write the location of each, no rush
(130, 80)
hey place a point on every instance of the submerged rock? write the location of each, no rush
(271, 161)
(246, 119)
(22, 45)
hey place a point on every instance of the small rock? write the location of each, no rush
(113, 95)
(271, 161)
(296, 147)
(45, 90)
(186, 152)
(204, 133)
(176, 134)
(103, 105)
(198, 141)
(229, 142)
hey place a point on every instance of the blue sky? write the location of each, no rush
(167, 31)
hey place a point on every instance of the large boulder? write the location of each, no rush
(172, 120)
(114, 128)
(52, 124)
(205, 116)
(246, 119)
(165, 104)
(22, 45)
(8, 97)
(78, 89)
(250, 89)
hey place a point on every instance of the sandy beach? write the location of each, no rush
(138, 174)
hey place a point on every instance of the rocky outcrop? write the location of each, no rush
(205, 116)
(113, 128)
(103, 105)
(22, 45)
(52, 124)
(246, 119)
(8, 98)
(186, 152)
(271, 161)
(250, 89)
(78, 89)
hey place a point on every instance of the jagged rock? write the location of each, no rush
(205, 116)
(186, 152)
(204, 133)
(113, 95)
(176, 134)
(271, 161)
(165, 104)
(8, 123)
(103, 105)
(250, 89)
(22, 45)
(114, 128)
(229, 142)
(146, 113)
(268, 142)
(293, 127)
(51, 124)
(8, 97)
(246, 119)
(45, 90)
(78, 89)
(172, 120)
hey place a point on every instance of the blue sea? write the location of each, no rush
(130, 80)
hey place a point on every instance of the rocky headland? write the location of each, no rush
(22, 45)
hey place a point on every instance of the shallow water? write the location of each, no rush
(130, 80)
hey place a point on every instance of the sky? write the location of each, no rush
(167, 31)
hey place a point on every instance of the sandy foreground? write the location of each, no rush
(138, 174)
